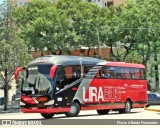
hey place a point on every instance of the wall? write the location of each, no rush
(105, 53)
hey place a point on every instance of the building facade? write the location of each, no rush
(101, 3)
(107, 3)
(19, 3)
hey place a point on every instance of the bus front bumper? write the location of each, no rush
(45, 110)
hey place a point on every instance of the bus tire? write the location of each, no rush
(147, 105)
(47, 115)
(102, 112)
(127, 108)
(75, 109)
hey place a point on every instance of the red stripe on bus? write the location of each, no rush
(101, 107)
(47, 110)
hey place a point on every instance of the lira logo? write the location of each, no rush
(100, 94)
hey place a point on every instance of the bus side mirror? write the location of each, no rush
(53, 71)
(16, 73)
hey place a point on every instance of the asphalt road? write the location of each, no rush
(92, 117)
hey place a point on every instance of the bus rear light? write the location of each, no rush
(42, 99)
(28, 99)
(50, 102)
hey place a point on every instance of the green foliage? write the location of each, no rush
(60, 26)
(13, 50)
(44, 26)
(133, 28)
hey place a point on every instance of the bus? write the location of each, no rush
(67, 84)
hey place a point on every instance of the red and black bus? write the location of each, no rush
(67, 84)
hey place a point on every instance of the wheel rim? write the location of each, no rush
(128, 107)
(73, 109)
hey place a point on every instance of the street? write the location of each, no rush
(138, 113)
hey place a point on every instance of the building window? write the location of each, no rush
(99, 0)
(109, 4)
(105, 4)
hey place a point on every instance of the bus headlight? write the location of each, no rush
(50, 102)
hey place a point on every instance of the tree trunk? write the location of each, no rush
(41, 52)
(5, 90)
(145, 59)
(60, 52)
(111, 52)
(156, 72)
(89, 49)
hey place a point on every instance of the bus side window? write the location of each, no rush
(113, 72)
(132, 73)
(76, 71)
(127, 73)
(98, 74)
(137, 73)
(142, 75)
(108, 72)
(86, 69)
(72, 74)
(60, 78)
(120, 74)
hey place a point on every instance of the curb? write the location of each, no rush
(151, 109)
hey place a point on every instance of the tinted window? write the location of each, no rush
(142, 74)
(108, 72)
(120, 73)
(152, 97)
(127, 73)
(67, 75)
(86, 69)
(44, 69)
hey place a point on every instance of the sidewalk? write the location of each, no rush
(13, 110)
(155, 108)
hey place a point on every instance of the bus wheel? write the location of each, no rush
(75, 109)
(102, 112)
(147, 105)
(47, 115)
(127, 108)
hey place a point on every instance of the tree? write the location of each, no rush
(137, 32)
(61, 26)
(87, 19)
(13, 52)
(46, 26)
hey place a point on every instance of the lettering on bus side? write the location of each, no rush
(101, 94)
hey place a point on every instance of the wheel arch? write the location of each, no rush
(129, 99)
(78, 102)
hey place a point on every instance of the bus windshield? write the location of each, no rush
(38, 81)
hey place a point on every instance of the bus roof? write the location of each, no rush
(121, 64)
(60, 59)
